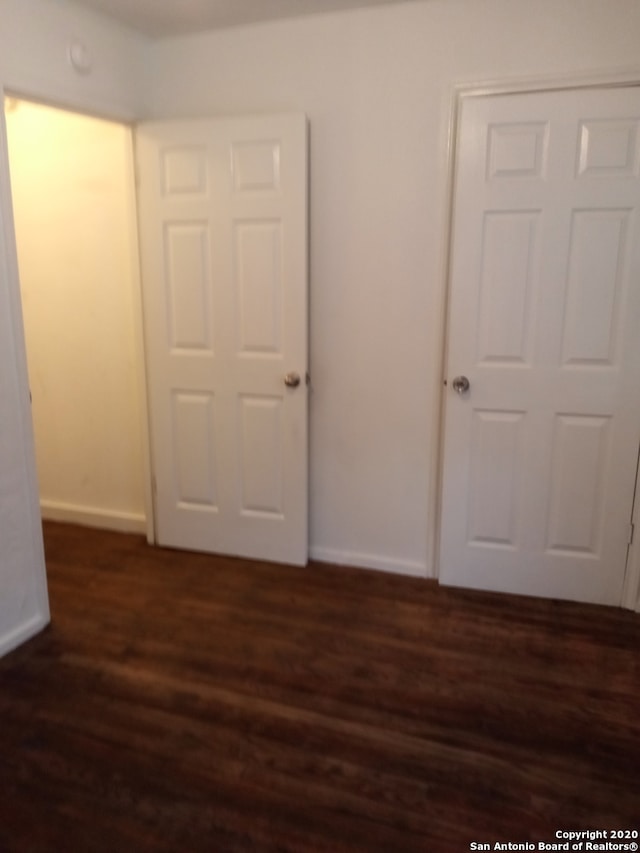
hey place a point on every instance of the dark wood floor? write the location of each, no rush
(181, 702)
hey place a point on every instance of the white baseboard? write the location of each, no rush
(105, 519)
(22, 633)
(368, 561)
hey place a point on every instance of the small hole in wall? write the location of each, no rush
(80, 57)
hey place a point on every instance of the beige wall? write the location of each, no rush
(34, 40)
(74, 213)
(377, 87)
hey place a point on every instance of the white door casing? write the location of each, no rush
(223, 240)
(544, 311)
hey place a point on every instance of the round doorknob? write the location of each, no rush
(461, 384)
(292, 380)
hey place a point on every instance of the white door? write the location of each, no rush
(540, 453)
(223, 233)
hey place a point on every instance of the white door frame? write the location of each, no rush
(613, 79)
(20, 92)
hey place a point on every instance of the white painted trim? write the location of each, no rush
(104, 519)
(450, 156)
(140, 348)
(368, 561)
(22, 633)
(544, 83)
(631, 589)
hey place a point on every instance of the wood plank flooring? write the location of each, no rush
(183, 702)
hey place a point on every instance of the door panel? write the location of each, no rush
(581, 448)
(223, 221)
(539, 454)
(261, 454)
(504, 311)
(496, 456)
(193, 426)
(597, 254)
(189, 286)
(258, 287)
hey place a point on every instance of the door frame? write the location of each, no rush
(459, 93)
(7, 90)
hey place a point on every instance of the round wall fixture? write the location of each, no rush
(80, 57)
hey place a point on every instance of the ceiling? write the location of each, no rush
(159, 18)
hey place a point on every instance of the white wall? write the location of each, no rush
(34, 36)
(34, 43)
(74, 211)
(377, 87)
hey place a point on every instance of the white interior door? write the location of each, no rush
(540, 453)
(223, 232)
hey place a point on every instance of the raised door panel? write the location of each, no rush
(517, 149)
(495, 478)
(597, 273)
(259, 287)
(581, 447)
(184, 171)
(609, 148)
(508, 269)
(189, 286)
(194, 451)
(261, 456)
(256, 166)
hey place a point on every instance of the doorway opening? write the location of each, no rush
(72, 182)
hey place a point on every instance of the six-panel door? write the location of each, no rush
(223, 228)
(540, 454)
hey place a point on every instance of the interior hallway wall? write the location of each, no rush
(72, 189)
(377, 86)
(34, 42)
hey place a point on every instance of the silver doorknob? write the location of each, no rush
(461, 384)
(292, 380)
